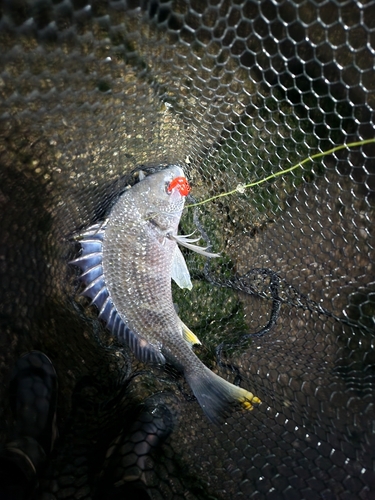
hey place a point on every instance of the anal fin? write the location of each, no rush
(188, 335)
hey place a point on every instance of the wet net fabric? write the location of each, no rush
(233, 92)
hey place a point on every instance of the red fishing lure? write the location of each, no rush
(181, 183)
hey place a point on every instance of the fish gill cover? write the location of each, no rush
(232, 92)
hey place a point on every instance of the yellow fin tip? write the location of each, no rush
(247, 402)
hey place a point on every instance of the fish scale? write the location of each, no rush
(137, 267)
(128, 262)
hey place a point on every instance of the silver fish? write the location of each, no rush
(127, 263)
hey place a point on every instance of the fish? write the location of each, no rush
(127, 264)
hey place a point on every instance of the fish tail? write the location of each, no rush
(216, 396)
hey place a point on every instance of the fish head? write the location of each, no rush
(163, 186)
(162, 196)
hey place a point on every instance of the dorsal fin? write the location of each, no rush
(90, 262)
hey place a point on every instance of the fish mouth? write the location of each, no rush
(180, 172)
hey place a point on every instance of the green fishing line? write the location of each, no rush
(242, 187)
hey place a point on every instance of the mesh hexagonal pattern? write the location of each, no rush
(233, 91)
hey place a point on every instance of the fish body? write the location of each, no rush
(127, 265)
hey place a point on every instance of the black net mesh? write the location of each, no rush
(233, 91)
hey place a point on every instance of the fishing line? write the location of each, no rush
(242, 187)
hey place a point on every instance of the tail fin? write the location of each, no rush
(216, 396)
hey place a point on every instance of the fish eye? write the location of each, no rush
(168, 190)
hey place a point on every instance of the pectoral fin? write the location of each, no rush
(180, 272)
